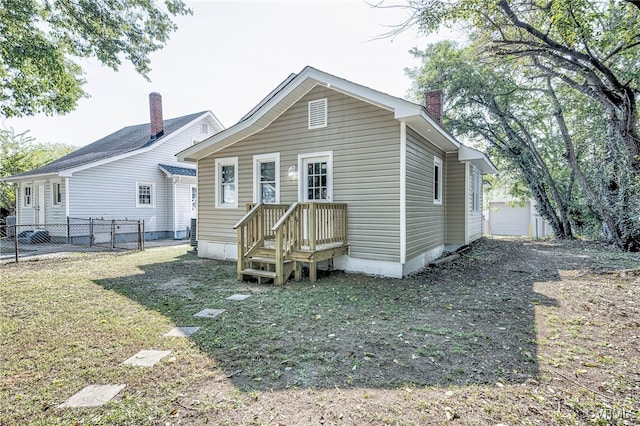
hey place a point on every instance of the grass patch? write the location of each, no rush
(472, 336)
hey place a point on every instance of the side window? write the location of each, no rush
(437, 180)
(227, 182)
(28, 196)
(145, 195)
(56, 193)
(475, 191)
(266, 178)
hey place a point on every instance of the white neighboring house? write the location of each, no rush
(132, 173)
(506, 215)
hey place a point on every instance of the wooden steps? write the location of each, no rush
(264, 266)
(275, 240)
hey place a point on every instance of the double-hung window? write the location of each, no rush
(227, 182)
(145, 194)
(266, 178)
(437, 180)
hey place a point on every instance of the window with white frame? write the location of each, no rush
(194, 198)
(56, 193)
(227, 182)
(28, 196)
(266, 178)
(318, 113)
(475, 190)
(437, 180)
(145, 195)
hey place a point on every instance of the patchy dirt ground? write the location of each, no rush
(512, 332)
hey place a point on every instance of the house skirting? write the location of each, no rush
(229, 251)
(418, 262)
(216, 250)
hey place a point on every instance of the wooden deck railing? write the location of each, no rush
(255, 228)
(301, 226)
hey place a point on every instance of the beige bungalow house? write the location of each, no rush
(327, 169)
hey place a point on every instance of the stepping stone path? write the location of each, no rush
(209, 313)
(147, 358)
(98, 395)
(92, 396)
(181, 332)
(238, 297)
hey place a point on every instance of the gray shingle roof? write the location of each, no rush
(125, 140)
(178, 171)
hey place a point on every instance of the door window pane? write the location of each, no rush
(317, 180)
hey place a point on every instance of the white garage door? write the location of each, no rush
(509, 220)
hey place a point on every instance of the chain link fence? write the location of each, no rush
(77, 235)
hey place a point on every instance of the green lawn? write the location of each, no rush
(485, 340)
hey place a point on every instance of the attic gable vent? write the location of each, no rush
(318, 113)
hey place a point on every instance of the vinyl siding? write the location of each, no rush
(365, 141)
(55, 213)
(109, 191)
(425, 220)
(52, 214)
(457, 200)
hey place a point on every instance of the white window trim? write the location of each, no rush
(476, 187)
(265, 158)
(24, 196)
(153, 194)
(301, 173)
(322, 102)
(54, 202)
(191, 188)
(437, 161)
(229, 161)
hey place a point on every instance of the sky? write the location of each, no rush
(228, 55)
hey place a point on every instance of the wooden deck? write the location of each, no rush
(275, 240)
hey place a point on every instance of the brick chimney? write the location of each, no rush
(155, 111)
(433, 101)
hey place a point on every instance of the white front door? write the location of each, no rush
(316, 179)
(40, 207)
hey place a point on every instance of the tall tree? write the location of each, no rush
(486, 102)
(42, 42)
(20, 153)
(590, 47)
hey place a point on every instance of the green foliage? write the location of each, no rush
(588, 53)
(20, 153)
(43, 41)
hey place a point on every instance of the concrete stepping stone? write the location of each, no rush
(92, 396)
(181, 331)
(146, 358)
(209, 313)
(238, 297)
